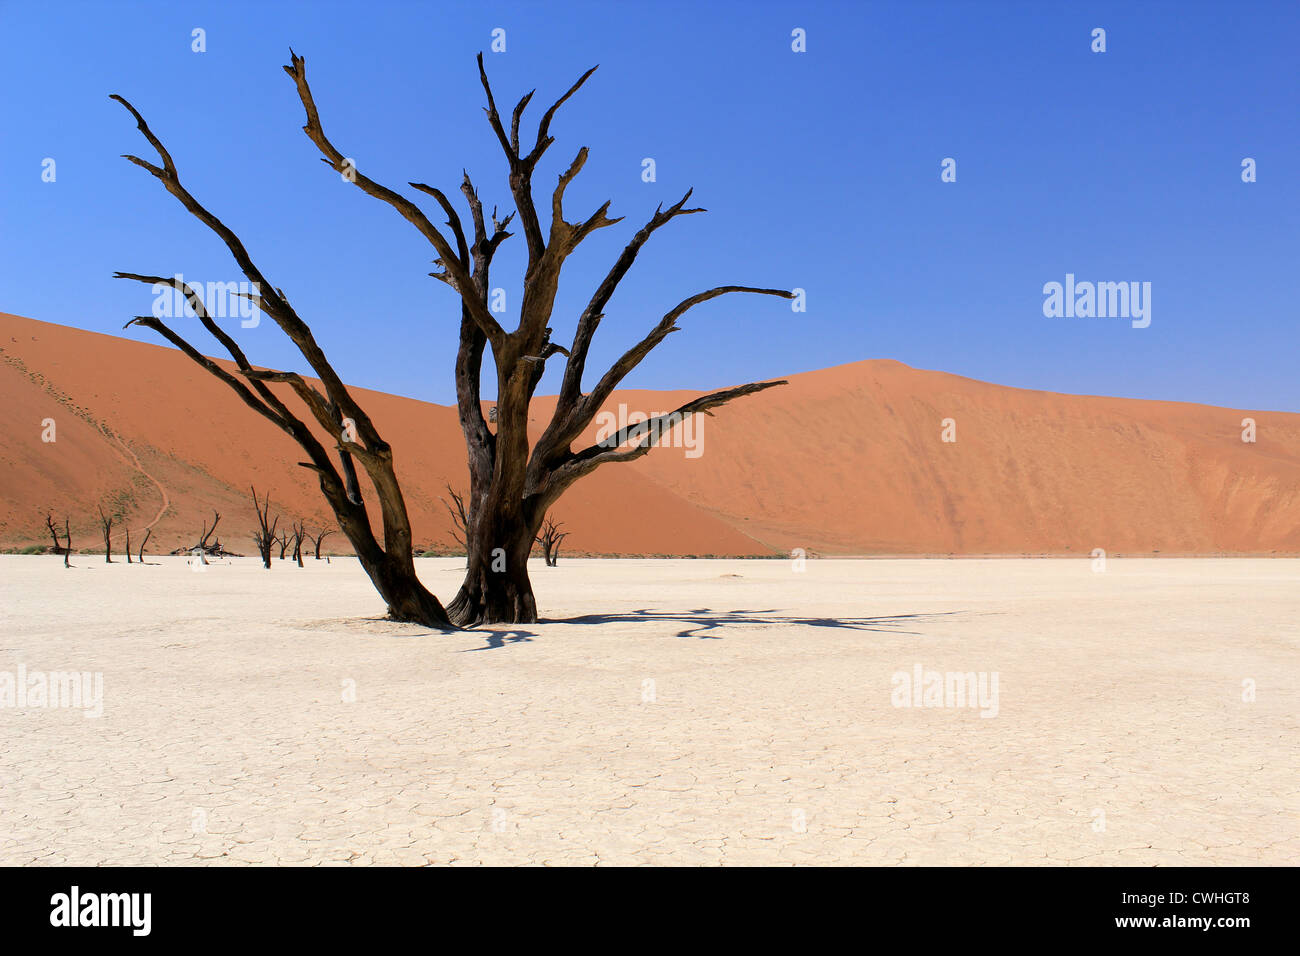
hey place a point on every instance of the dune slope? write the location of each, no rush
(848, 460)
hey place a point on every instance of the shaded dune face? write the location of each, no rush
(847, 460)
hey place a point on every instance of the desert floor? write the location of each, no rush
(669, 712)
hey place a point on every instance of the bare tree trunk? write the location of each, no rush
(54, 533)
(67, 552)
(318, 539)
(496, 586)
(128, 545)
(147, 532)
(399, 585)
(265, 536)
(203, 548)
(107, 522)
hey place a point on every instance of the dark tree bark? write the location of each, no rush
(299, 532)
(513, 482)
(264, 537)
(106, 522)
(202, 546)
(147, 532)
(54, 533)
(317, 539)
(128, 546)
(337, 414)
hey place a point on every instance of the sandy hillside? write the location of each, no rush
(118, 401)
(847, 460)
(677, 712)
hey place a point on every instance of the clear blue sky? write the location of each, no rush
(820, 170)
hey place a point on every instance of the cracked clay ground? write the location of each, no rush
(669, 712)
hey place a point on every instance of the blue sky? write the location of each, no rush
(820, 170)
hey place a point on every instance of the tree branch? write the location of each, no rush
(593, 313)
(456, 271)
(273, 302)
(648, 433)
(200, 309)
(589, 405)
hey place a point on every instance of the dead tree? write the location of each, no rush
(550, 540)
(510, 490)
(203, 548)
(106, 522)
(58, 548)
(265, 536)
(299, 532)
(128, 545)
(390, 565)
(54, 532)
(318, 538)
(147, 532)
(459, 520)
(283, 542)
(49, 523)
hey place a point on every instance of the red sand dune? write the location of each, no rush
(847, 460)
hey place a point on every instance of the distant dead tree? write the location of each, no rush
(317, 538)
(106, 521)
(147, 532)
(265, 536)
(202, 547)
(58, 548)
(513, 480)
(459, 520)
(128, 544)
(299, 532)
(550, 539)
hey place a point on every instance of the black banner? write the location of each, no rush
(139, 906)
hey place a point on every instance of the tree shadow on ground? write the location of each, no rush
(707, 624)
(499, 638)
